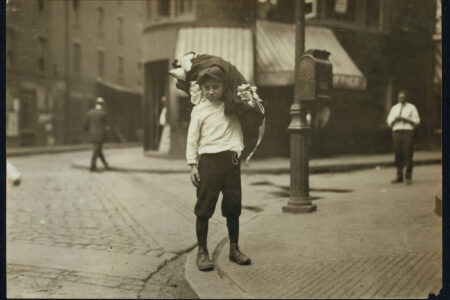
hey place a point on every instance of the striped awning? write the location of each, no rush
(275, 55)
(232, 44)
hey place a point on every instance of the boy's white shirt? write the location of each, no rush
(211, 131)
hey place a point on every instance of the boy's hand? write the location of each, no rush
(195, 176)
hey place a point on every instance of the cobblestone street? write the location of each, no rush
(76, 234)
(63, 224)
(72, 233)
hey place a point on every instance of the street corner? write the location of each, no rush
(210, 285)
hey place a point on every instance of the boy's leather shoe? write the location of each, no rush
(204, 263)
(408, 181)
(398, 180)
(237, 256)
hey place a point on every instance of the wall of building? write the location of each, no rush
(369, 33)
(159, 44)
(31, 89)
(225, 13)
(390, 58)
(62, 95)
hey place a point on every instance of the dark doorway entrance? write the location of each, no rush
(27, 117)
(156, 77)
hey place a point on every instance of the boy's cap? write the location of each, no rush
(213, 72)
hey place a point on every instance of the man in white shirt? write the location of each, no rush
(403, 118)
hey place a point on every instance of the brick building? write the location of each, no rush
(377, 47)
(61, 55)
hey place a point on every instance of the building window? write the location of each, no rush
(310, 9)
(344, 10)
(10, 46)
(373, 13)
(164, 7)
(340, 10)
(76, 9)
(76, 5)
(76, 58)
(139, 67)
(101, 63)
(184, 6)
(148, 6)
(100, 21)
(41, 64)
(42, 54)
(41, 5)
(120, 30)
(9, 58)
(120, 69)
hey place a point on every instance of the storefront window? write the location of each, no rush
(164, 7)
(168, 9)
(373, 13)
(344, 10)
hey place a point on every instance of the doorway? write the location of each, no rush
(156, 87)
(28, 117)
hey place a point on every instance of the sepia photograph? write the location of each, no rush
(223, 149)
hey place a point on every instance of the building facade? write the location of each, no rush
(377, 47)
(174, 27)
(61, 55)
(390, 43)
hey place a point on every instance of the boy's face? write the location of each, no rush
(212, 89)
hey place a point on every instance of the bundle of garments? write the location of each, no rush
(240, 98)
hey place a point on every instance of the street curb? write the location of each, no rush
(135, 170)
(223, 287)
(186, 291)
(62, 149)
(336, 168)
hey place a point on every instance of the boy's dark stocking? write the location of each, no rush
(204, 263)
(202, 231)
(233, 229)
(233, 232)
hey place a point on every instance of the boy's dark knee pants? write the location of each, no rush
(219, 172)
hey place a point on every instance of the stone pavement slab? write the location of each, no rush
(76, 234)
(376, 241)
(85, 260)
(26, 281)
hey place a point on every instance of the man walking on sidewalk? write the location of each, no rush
(96, 123)
(403, 118)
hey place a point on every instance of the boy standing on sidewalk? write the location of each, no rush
(214, 145)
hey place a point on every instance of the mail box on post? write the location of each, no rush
(315, 76)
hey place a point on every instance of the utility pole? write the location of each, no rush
(300, 201)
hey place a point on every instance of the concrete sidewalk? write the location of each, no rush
(135, 160)
(378, 241)
(64, 148)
